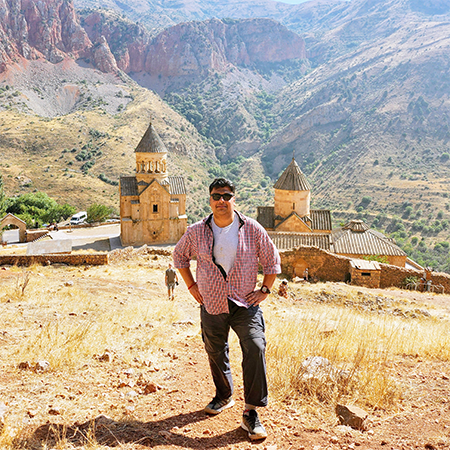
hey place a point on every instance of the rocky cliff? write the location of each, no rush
(48, 29)
(194, 49)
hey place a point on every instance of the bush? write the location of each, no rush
(98, 213)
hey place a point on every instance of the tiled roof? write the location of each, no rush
(286, 241)
(292, 179)
(151, 142)
(369, 242)
(177, 186)
(320, 219)
(128, 186)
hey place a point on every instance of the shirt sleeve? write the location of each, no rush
(269, 257)
(184, 250)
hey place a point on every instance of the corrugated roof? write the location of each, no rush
(287, 241)
(128, 186)
(292, 179)
(151, 142)
(320, 219)
(369, 242)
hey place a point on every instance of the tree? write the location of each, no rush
(97, 212)
(38, 208)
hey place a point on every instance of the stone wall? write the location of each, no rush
(71, 260)
(325, 266)
(321, 264)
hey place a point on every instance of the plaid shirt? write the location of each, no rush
(254, 246)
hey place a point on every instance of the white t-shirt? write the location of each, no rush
(225, 243)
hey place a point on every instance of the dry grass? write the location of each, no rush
(71, 316)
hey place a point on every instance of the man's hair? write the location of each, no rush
(221, 183)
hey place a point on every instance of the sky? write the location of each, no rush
(292, 2)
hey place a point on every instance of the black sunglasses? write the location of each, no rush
(227, 197)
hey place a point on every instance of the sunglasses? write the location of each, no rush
(227, 197)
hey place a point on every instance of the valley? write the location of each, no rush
(357, 91)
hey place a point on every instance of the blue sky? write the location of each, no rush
(293, 2)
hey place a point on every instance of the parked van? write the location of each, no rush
(78, 218)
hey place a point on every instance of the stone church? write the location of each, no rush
(152, 203)
(292, 223)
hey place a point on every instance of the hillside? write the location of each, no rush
(360, 97)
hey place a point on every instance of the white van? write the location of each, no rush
(78, 218)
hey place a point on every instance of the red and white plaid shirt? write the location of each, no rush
(254, 246)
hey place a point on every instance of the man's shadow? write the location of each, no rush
(105, 431)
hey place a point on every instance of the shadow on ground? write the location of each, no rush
(108, 432)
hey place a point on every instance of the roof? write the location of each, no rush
(151, 142)
(287, 241)
(129, 186)
(292, 179)
(356, 225)
(362, 264)
(177, 186)
(320, 219)
(368, 242)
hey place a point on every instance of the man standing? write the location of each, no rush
(171, 279)
(228, 247)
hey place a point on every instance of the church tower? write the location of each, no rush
(292, 193)
(152, 203)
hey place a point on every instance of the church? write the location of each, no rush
(292, 223)
(152, 203)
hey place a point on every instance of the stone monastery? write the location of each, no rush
(292, 223)
(152, 203)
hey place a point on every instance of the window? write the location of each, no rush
(155, 208)
(365, 274)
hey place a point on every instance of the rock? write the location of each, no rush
(149, 388)
(68, 283)
(54, 411)
(25, 365)
(106, 357)
(352, 416)
(42, 366)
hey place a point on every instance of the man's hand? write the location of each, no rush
(195, 292)
(255, 297)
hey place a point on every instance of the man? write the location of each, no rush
(171, 279)
(228, 247)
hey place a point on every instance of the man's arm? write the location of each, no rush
(191, 284)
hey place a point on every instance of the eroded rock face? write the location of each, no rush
(195, 48)
(46, 29)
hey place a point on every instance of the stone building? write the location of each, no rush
(357, 240)
(152, 203)
(291, 223)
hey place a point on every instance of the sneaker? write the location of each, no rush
(217, 406)
(251, 423)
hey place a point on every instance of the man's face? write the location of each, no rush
(222, 208)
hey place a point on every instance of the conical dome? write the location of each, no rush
(292, 179)
(151, 142)
(356, 225)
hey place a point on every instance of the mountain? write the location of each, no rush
(358, 91)
(156, 15)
